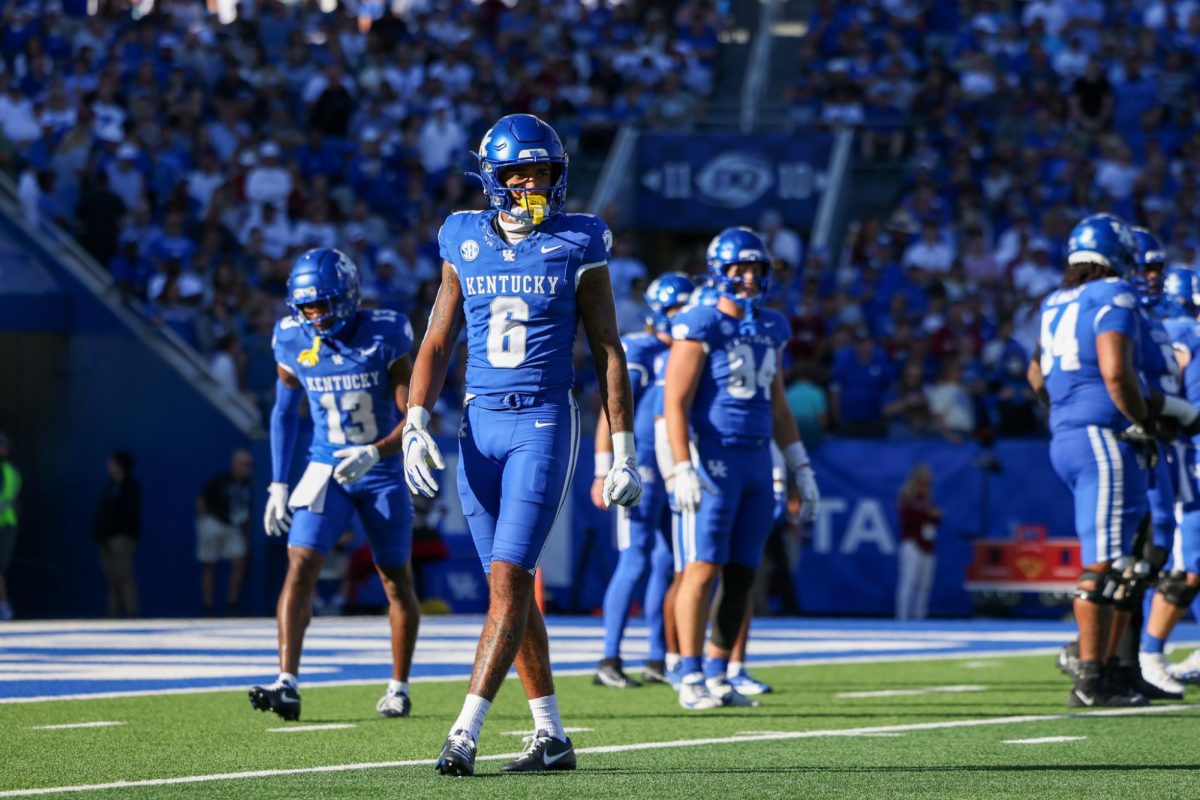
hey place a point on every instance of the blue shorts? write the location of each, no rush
(384, 507)
(639, 527)
(1160, 493)
(731, 526)
(517, 455)
(1185, 549)
(1109, 487)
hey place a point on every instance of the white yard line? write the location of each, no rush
(614, 748)
(1046, 740)
(527, 731)
(911, 692)
(70, 725)
(331, 726)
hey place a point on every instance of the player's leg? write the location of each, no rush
(385, 509)
(312, 534)
(208, 545)
(927, 564)
(1183, 590)
(906, 580)
(671, 601)
(662, 574)
(739, 675)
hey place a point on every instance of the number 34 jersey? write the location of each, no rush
(519, 300)
(1071, 321)
(732, 404)
(350, 399)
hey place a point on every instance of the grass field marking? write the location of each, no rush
(603, 749)
(1046, 740)
(528, 731)
(69, 725)
(912, 692)
(329, 726)
(980, 664)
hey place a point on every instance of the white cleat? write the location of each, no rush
(694, 694)
(1154, 672)
(1188, 670)
(723, 690)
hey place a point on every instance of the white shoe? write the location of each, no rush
(723, 690)
(1154, 672)
(694, 694)
(394, 704)
(1188, 670)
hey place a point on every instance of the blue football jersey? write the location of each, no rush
(641, 350)
(519, 300)
(346, 379)
(1071, 321)
(660, 380)
(1185, 336)
(732, 403)
(1156, 356)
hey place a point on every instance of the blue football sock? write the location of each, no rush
(662, 572)
(690, 664)
(716, 667)
(618, 598)
(1151, 643)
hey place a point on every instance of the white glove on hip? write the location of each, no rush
(421, 454)
(690, 486)
(355, 462)
(277, 519)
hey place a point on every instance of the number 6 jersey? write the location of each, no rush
(1071, 321)
(519, 300)
(350, 398)
(732, 404)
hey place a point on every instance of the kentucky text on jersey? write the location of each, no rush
(337, 383)
(510, 284)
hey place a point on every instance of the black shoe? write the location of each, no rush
(611, 674)
(458, 755)
(1081, 697)
(281, 698)
(655, 672)
(543, 753)
(1067, 660)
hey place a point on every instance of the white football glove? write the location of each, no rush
(420, 453)
(796, 457)
(355, 462)
(277, 519)
(623, 484)
(690, 486)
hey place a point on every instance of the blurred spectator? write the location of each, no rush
(906, 407)
(808, 404)
(950, 404)
(919, 519)
(783, 242)
(861, 377)
(10, 505)
(117, 527)
(222, 529)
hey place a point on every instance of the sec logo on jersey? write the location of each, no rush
(469, 250)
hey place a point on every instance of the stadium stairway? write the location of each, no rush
(87, 376)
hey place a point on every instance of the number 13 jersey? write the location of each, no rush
(1071, 321)
(732, 404)
(519, 300)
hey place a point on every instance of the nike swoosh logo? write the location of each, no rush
(1087, 701)
(551, 249)
(540, 424)
(370, 350)
(288, 700)
(548, 759)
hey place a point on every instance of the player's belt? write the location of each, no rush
(748, 442)
(511, 401)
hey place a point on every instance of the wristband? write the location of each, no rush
(604, 462)
(418, 416)
(623, 447)
(795, 456)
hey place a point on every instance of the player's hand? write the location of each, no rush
(355, 462)
(277, 519)
(690, 486)
(623, 485)
(598, 492)
(810, 494)
(421, 454)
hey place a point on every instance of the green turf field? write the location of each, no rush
(948, 744)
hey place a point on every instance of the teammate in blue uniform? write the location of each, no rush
(723, 377)
(1085, 368)
(353, 365)
(642, 531)
(520, 277)
(1178, 584)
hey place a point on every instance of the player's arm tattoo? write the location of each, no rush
(433, 358)
(398, 376)
(683, 376)
(598, 311)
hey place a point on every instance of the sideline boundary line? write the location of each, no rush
(604, 749)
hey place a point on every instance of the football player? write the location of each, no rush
(1177, 587)
(642, 531)
(519, 277)
(354, 366)
(723, 379)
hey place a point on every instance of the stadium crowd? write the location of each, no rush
(196, 159)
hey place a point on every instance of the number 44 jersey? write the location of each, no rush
(732, 404)
(1071, 321)
(350, 399)
(519, 300)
